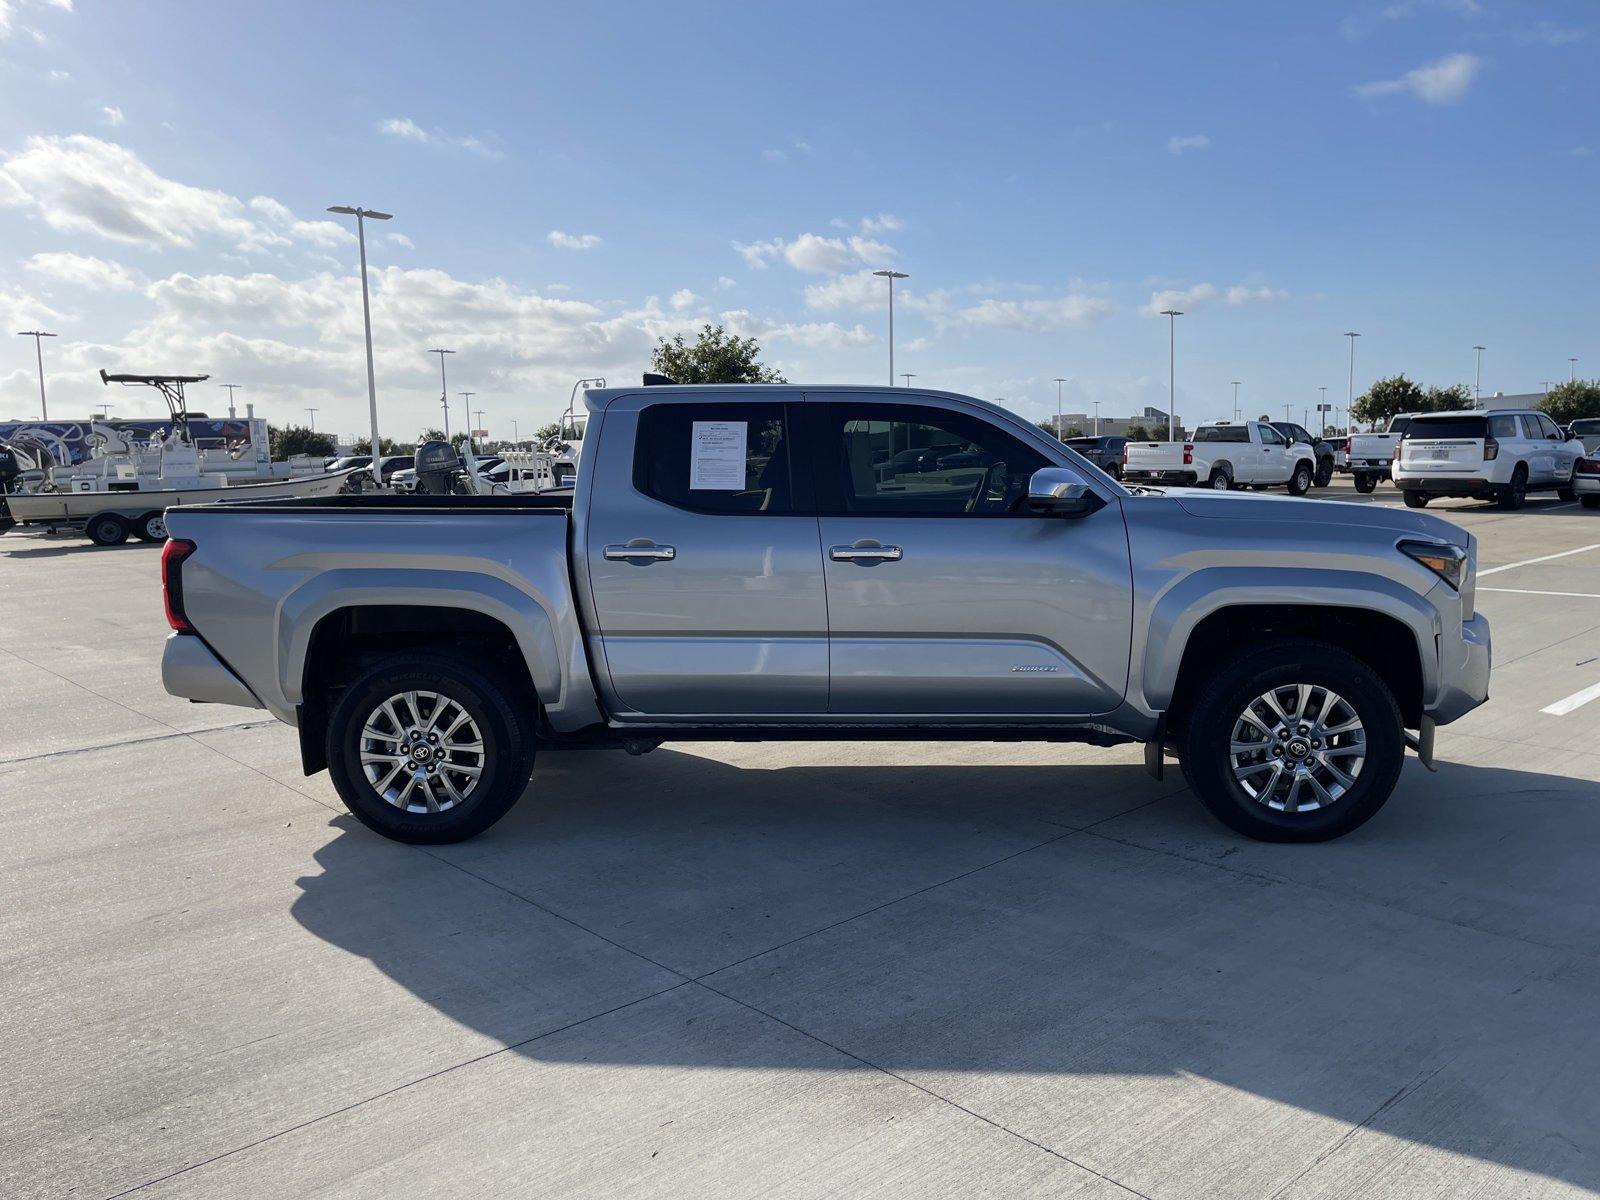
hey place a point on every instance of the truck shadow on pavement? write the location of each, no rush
(1072, 951)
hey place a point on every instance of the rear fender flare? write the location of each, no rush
(531, 624)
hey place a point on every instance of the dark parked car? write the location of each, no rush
(1323, 447)
(1104, 452)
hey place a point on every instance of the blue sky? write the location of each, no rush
(572, 181)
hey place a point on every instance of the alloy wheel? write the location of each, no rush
(1297, 748)
(422, 752)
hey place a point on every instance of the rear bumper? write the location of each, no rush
(1136, 475)
(1447, 485)
(191, 671)
(1463, 672)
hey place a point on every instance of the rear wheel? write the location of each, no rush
(1365, 481)
(1515, 492)
(1294, 741)
(107, 529)
(1300, 481)
(1220, 480)
(425, 748)
(1415, 499)
(1589, 501)
(1567, 493)
(152, 527)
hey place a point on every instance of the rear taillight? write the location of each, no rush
(172, 556)
(1587, 466)
(1347, 445)
(1395, 455)
(1491, 449)
(1188, 454)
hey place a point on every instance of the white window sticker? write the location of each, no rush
(717, 456)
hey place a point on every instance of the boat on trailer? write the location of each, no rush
(120, 492)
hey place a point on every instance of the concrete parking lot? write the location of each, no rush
(800, 970)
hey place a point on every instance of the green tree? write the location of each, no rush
(298, 439)
(430, 435)
(1048, 425)
(1071, 431)
(1573, 401)
(1388, 397)
(1443, 399)
(715, 357)
(1138, 433)
(545, 432)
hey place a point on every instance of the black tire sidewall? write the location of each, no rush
(1210, 725)
(1516, 492)
(141, 527)
(107, 521)
(1415, 499)
(1365, 483)
(1296, 487)
(508, 750)
(1220, 481)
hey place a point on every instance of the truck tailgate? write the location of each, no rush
(1154, 456)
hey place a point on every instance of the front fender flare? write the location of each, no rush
(1195, 597)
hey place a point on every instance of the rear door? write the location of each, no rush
(703, 557)
(946, 595)
(1445, 446)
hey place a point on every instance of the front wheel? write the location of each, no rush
(1365, 482)
(1293, 741)
(1324, 475)
(1415, 499)
(1300, 481)
(425, 748)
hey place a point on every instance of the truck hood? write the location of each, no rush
(1308, 514)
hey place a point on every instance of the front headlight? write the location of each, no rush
(1446, 561)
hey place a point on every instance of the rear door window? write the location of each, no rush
(718, 458)
(1503, 427)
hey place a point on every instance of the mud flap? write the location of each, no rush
(1422, 742)
(1155, 756)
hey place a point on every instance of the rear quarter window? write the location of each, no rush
(1222, 433)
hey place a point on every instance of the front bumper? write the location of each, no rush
(190, 670)
(1463, 672)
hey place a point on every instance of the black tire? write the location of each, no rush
(107, 529)
(1219, 480)
(151, 527)
(1511, 496)
(1589, 501)
(503, 720)
(1366, 481)
(1205, 739)
(1115, 471)
(1324, 475)
(1415, 499)
(1568, 493)
(1300, 481)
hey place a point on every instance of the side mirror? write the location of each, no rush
(1061, 492)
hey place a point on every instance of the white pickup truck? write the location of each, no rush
(1224, 455)
(1369, 456)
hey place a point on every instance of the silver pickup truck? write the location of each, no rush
(779, 562)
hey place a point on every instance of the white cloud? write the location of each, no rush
(400, 239)
(1580, 152)
(683, 299)
(816, 254)
(1190, 298)
(112, 115)
(572, 241)
(1548, 33)
(1032, 316)
(724, 282)
(59, 76)
(10, 8)
(81, 184)
(1443, 81)
(83, 270)
(1179, 143)
(407, 130)
(882, 223)
(860, 290)
(814, 335)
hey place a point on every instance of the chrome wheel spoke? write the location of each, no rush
(1290, 771)
(413, 734)
(1254, 769)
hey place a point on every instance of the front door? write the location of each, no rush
(946, 595)
(703, 559)
(1273, 457)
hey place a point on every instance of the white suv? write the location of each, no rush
(1501, 455)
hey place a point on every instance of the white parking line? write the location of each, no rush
(1528, 562)
(1532, 592)
(1577, 700)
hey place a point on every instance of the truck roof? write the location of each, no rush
(598, 398)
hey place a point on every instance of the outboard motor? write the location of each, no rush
(438, 468)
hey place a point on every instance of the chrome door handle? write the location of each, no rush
(642, 549)
(865, 553)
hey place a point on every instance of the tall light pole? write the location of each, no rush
(891, 276)
(1572, 371)
(1350, 401)
(1097, 418)
(105, 410)
(466, 416)
(1236, 399)
(1322, 408)
(1477, 380)
(1058, 382)
(516, 437)
(908, 376)
(444, 392)
(313, 413)
(232, 387)
(1286, 417)
(480, 425)
(362, 215)
(1546, 385)
(1172, 315)
(38, 335)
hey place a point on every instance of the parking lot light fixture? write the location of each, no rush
(362, 216)
(1350, 397)
(891, 276)
(1097, 418)
(1172, 315)
(908, 376)
(38, 336)
(1572, 370)
(444, 391)
(1477, 379)
(1236, 399)
(1058, 382)
(312, 413)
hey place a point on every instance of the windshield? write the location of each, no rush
(1448, 427)
(1586, 425)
